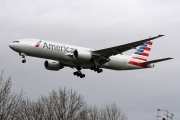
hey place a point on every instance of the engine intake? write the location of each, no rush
(82, 55)
(53, 65)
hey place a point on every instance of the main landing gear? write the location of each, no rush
(23, 56)
(78, 73)
(96, 69)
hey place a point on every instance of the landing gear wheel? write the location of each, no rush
(96, 69)
(82, 75)
(79, 74)
(100, 70)
(24, 61)
(75, 73)
(92, 68)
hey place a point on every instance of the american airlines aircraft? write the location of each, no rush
(61, 55)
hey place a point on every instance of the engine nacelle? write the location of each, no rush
(82, 55)
(52, 65)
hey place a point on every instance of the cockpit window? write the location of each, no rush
(15, 41)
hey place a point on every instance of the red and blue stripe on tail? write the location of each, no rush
(143, 52)
(141, 55)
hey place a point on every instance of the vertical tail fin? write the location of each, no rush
(141, 55)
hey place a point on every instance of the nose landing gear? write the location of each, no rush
(23, 56)
(24, 61)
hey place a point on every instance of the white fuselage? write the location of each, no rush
(64, 54)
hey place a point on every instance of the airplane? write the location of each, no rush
(61, 55)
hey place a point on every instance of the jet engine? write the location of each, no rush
(82, 55)
(53, 65)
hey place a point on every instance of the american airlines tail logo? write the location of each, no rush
(38, 43)
(141, 54)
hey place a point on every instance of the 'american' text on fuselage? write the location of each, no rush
(58, 48)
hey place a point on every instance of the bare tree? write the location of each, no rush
(9, 102)
(32, 110)
(112, 112)
(94, 113)
(59, 105)
(66, 105)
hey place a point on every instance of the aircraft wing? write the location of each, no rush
(107, 52)
(155, 61)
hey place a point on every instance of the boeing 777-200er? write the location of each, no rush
(62, 55)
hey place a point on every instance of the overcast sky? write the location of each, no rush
(97, 24)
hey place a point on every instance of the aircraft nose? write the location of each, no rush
(13, 46)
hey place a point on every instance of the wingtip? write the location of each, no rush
(161, 35)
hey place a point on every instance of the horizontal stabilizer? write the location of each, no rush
(155, 61)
